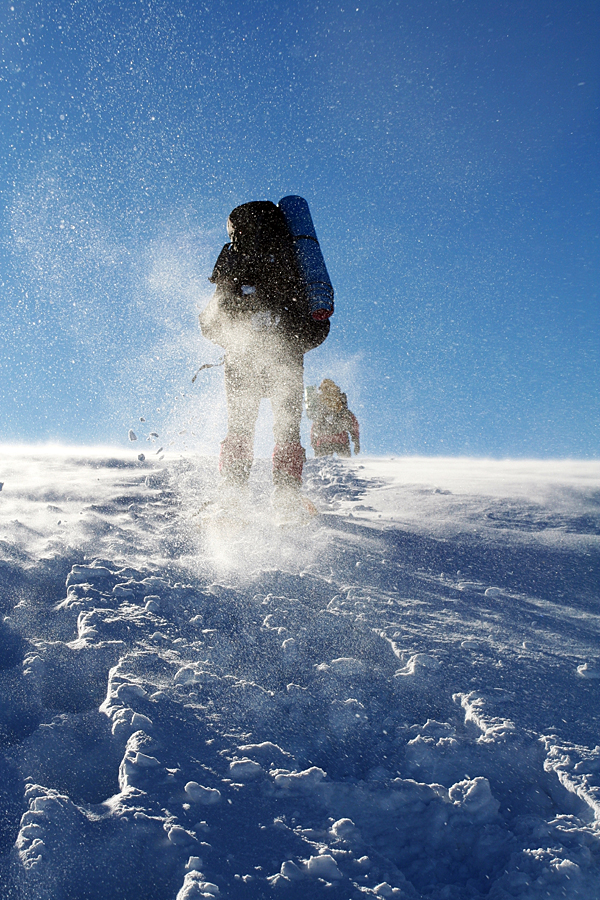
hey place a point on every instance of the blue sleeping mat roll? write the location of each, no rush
(308, 256)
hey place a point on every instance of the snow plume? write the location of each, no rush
(68, 254)
(171, 288)
(112, 294)
(111, 300)
(348, 371)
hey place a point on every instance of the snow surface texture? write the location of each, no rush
(400, 700)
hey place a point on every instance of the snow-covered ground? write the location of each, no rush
(400, 700)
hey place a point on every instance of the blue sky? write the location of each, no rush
(449, 153)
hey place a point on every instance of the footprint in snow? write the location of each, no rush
(470, 645)
(419, 664)
(589, 670)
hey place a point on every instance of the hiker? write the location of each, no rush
(333, 423)
(261, 315)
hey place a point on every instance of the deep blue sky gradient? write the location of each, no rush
(449, 152)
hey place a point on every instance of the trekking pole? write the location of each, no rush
(208, 366)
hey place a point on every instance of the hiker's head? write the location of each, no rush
(254, 225)
(331, 394)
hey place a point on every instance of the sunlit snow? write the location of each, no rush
(400, 700)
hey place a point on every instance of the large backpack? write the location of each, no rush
(260, 254)
(257, 272)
